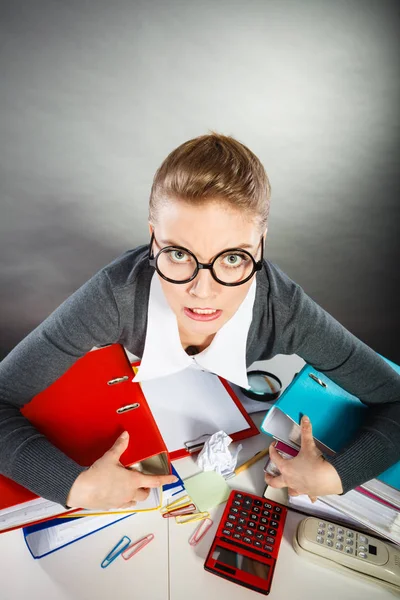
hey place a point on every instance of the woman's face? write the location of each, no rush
(206, 231)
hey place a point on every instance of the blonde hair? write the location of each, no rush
(209, 168)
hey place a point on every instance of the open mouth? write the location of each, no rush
(202, 314)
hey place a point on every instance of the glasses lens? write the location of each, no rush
(176, 264)
(233, 267)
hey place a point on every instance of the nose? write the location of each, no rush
(203, 286)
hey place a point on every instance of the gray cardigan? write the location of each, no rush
(112, 307)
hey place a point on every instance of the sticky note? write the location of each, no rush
(207, 489)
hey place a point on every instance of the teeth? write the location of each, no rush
(200, 311)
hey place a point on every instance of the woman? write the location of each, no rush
(204, 267)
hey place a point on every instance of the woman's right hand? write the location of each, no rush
(108, 484)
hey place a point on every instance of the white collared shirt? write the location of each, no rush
(163, 352)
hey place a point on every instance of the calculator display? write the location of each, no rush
(241, 562)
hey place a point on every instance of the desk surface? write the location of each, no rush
(170, 569)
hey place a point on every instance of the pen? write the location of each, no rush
(251, 461)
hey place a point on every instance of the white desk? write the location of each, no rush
(168, 568)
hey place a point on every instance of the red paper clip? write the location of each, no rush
(200, 532)
(137, 546)
(184, 510)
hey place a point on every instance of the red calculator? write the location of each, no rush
(246, 545)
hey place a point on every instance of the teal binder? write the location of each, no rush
(335, 415)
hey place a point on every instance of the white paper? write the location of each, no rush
(190, 404)
(216, 456)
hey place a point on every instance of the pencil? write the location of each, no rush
(251, 461)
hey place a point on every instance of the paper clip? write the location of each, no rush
(137, 546)
(187, 509)
(179, 503)
(116, 551)
(192, 518)
(200, 532)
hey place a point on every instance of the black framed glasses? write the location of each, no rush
(230, 267)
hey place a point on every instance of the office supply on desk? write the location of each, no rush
(246, 546)
(134, 548)
(87, 427)
(116, 551)
(184, 510)
(192, 518)
(200, 532)
(54, 534)
(179, 503)
(349, 551)
(246, 465)
(207, 489)
(190, 406)
(264, 386)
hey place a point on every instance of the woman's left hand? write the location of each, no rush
(308, 472)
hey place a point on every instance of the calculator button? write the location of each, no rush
(256, 509)
(320, 539)
(259, 536)
(270, 531)
(349, 534)
(276, 516)
(330, 535)
(339, 538)
(234, 510)
(339, 546)
(263, 520)
(251, 524)
(268, 548)
(270, 540)
(249, 532)
(340, 530)
(247, 502)
(362, 548)
(349, 541)
(239, 528)
(228, 524)
(232, 517)
(237, 536)
(262, 528)
(331, 527)
(363, 539)
(321, 524)
(362, 555)
(257, 502)
(329, 543)
(274, 524)
(241, 521)
(236, 503)
(226, 532)
(254, 517)
(277, 509)
(266, 505)
(244, 513)
(257, 543)
(349, 550)
(247, 540)
(238, 495)
(266, 513)
(320, 531)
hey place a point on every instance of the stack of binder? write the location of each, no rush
(336, 416)
(84, 411)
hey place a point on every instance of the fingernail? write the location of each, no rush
(305, 419)
(124, 435)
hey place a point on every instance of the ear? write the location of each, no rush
(151, 228)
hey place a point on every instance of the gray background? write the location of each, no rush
(94, 95)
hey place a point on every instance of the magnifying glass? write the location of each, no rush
(264, 386)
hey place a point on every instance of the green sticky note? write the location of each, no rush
(207, 489)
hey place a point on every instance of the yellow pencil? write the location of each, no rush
(251, 461)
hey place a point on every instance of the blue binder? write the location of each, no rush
(335, 414)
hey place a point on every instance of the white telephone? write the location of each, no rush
(349, 551)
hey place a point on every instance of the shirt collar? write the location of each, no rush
(163, 352)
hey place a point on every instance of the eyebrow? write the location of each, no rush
(171, 243)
